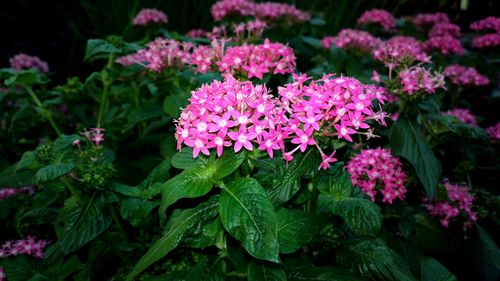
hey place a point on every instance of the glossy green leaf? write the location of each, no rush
(184, 159)
(182, 223)
(248, 215)
(191, 183)
(432, 270)
(228, 163)
(136, 210)
(296, 228)
(362, 216)
(311, 273)
(407, 140)
(259, 271)
(98, 49)
(53, 171)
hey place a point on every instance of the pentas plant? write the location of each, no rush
(458, 203)
(430, 19)
(377, 171)
(248, 60)
(267, 11)
(150, 16)
(445, 28)
(94, 136)
(29, 246)
(463, 115)
(420, 79)
(241, 32)
(23, 61)
(400, 50)
(351, 39)
(486, 41)
(445, 45)
(240, 115)
(494, 132)
(379, 17)
(10, 192)
(160, 54)
(488, 23)
(465, 76)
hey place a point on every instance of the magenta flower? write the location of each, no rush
(326, 160)
(22, 61)
(487, 40)
(379, 17)
(494, 132)
(28, 246)
(489, 23)
(303, 139)
(445, 28)
(242, 138)
(376, 170)
(459, 202)
(351, 39)
(10, 192)
(445, 45)
(426, 20)
(463, 115)
(420, 79)
(465, 76)
(400, 50)
(148, 16)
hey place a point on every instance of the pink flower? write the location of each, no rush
(445, 28)
(487, 41)
(459, 202)
(379, 17)
(303, 139)
(417, 78)
(494, 132)
(400, 50)
(148, 16)
(463, 115)
(465, 76)
(10, 192)
(265, 10)
(376, 169)
(326, 160)
(242, 138)
(22, 61)
(28, 246)
(489, 23)
(351, 39)
(424, 20)
(446, 45)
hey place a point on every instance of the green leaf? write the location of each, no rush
(373, 260)
(407, 140)
(83, 224)
(432, 270)
(315, 42)
(184, 159)
(288, 184)
(160, 173)
(259, 271)
(26, 78)
(182, 223)
(27, 159)
(228, 163)
(362, 216)
(64, 141)
(296, 228)
(19, 268)
(336, 184)
(311, 273)
(136, 210)
(248, 215)
(191, 183)
(53, 171)
(138, 115)
(173, 103)
(209, 235)
(98, 49)
(485, 255)
(208, 269)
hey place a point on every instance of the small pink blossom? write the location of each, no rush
(445, 45)
(351, 39)
(22, 61)
(445, 28)
(465, 76)
(326, 160)
(425, 20)
(148, 16)
(376, 170)
(494, 132)
(378, 17)
(400, 50)
(29, 246)
(459, 202)
(417, 78)
(486, 41)
(10, 192)
(463, 115)
(489, 23)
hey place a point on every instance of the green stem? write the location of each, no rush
(45, 113)
(105, 90)
(117, 221)
(71, 189)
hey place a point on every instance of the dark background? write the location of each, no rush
(57, 30)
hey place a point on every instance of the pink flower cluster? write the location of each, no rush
(418, 78)
(352, 39)
(465, 76)
(463, 115)
(400, 50)
(494, 132)
(239, 114)
(379, 17)
(489, 23)
(160, 54)
(446, 45)
(147, 16)
(423, 20)
(264, 10)
(28, 246)
(249, 60)
(445, 28)
(486, 41)
(94, 136)
(459, 200)
(22, 61)
(198, 33)
(376, 170)
(249, 30)
(9, 192)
